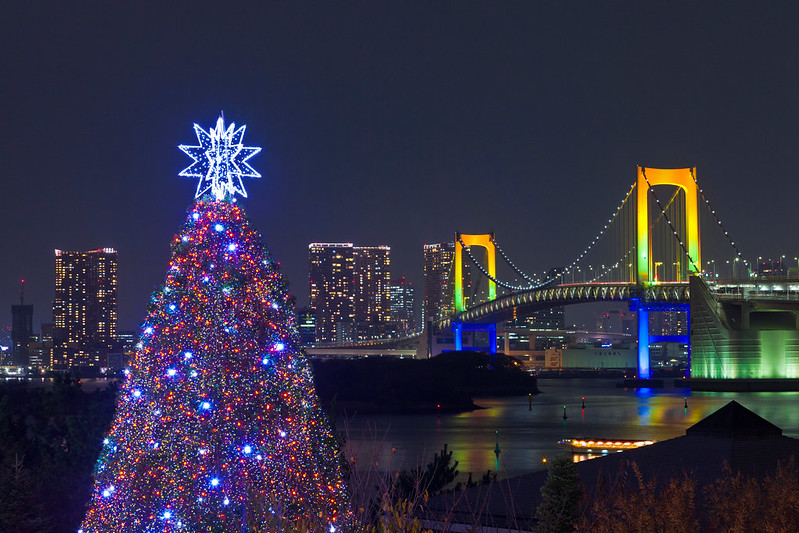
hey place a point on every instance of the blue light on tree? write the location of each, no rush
(220, 161)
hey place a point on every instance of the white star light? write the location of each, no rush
(220, 161)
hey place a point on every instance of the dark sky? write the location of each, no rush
(386, 123)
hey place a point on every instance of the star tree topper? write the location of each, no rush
(220, 161)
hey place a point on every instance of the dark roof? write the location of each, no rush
(734, 421)
(733, 437)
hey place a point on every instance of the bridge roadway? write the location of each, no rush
(524, 302)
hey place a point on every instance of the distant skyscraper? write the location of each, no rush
(6, 345)
(306, 324)
(372, 301)
(402, 304)
(438, 289)
(21, 331)
(348, 288)
(85, 306)
(617, 321)
(47, 332)
(332, 285)
(44, 355)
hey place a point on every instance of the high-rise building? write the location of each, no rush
(85, 307)
(616, 321)
(21, 333)
(401, 296)
(6, 345)
(306, 325)
(42, 356)
(332, 285)
(372, 301)
(348, 288)
(439, 300)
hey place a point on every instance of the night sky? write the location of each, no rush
(391, 123)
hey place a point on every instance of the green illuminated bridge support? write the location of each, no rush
(750, 333)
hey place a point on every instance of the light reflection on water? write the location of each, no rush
(526, 437)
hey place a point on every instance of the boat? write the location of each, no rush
(580, 445)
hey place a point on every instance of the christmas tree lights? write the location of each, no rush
(218, 426)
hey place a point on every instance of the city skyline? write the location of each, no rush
(392, 124)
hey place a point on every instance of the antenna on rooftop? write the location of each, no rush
(22, 292)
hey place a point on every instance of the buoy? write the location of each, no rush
(564, 413)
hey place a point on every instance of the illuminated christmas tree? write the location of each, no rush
(218, 426)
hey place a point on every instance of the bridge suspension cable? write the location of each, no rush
(610, 221)
(513, 265)
(715, 216)
(610, 268)
(485, 273)
(536, 283)
(620, 230)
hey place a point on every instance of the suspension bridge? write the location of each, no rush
(648, 254)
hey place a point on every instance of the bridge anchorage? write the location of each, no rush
(655, 249)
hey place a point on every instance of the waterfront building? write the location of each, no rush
(127, 340)
(21, 333)
(439, 301)
(306, 325)
(125, 349)
(6, 345)
(348, 289)
(591, 358)
(40, 354)
(546, 322)
(401, 297)
(85, 317)
(617, 321)
(46, 332)
(372, 300)
(330, 282)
